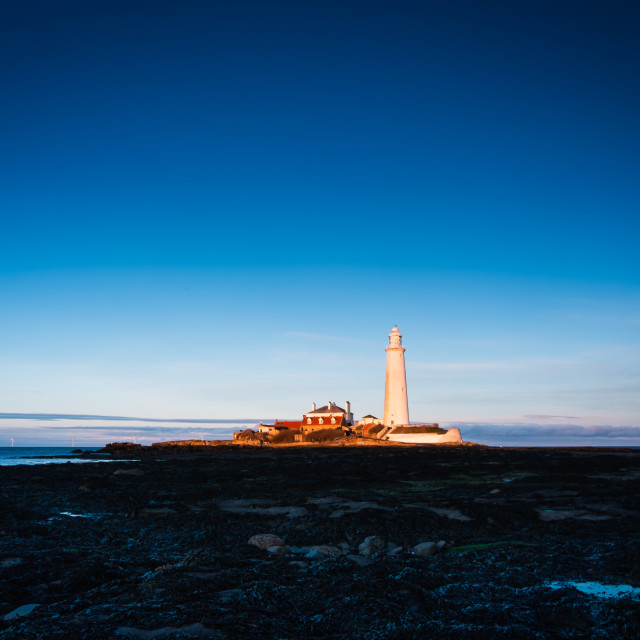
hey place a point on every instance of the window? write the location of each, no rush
(333, 420)
(309, 421)
(321, 421)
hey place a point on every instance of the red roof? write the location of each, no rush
(287, 424)
(326, 422)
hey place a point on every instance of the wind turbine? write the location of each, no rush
(11, 438)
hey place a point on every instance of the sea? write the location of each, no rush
(11, 456)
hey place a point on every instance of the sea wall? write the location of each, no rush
(452, 436)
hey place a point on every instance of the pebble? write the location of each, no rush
(371, 545)
(266, 540)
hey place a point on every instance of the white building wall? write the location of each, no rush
(452, 436)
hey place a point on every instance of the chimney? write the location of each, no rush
(313, 406)
(347, 410)
(329, 405)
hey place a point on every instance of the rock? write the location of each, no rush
(348, 507)
(265, 540)
(345, 546)
(245, 502)
(128, 472)
(279, 550)
(21, 612)
(326, 500)
(202, 575)
(196, 630)
(298, 563)
(230, 595)
(425, 549)
(322, 551)
(300, 550)
(361, 561)
(442, 544)
(10, 562)
(158, 512)
(289, 512)
(549, 515)
(452, 514)
(371, 545)
(394, 551)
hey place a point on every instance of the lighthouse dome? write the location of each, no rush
(395, 337)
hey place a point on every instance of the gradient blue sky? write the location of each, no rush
(219, 210)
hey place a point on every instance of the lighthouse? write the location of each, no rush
(396, 405)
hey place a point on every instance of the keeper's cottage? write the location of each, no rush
(331, 416)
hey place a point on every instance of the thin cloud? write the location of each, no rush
(544, 416)
(141, 429)
(50, 417)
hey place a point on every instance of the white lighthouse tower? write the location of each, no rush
(396, 404)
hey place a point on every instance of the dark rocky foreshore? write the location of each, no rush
(159, 548)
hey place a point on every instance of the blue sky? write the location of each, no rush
(219, 210)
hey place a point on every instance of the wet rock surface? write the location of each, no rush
(165, 553)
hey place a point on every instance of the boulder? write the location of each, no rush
(196, 630)
(265, 540)
(298, 563)
(230, 595)
(157, 512)
(279, 550)
(10, 562)
(361, 561)
(425, 549)
(322, 551)
(371, 545)
(21, 612)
